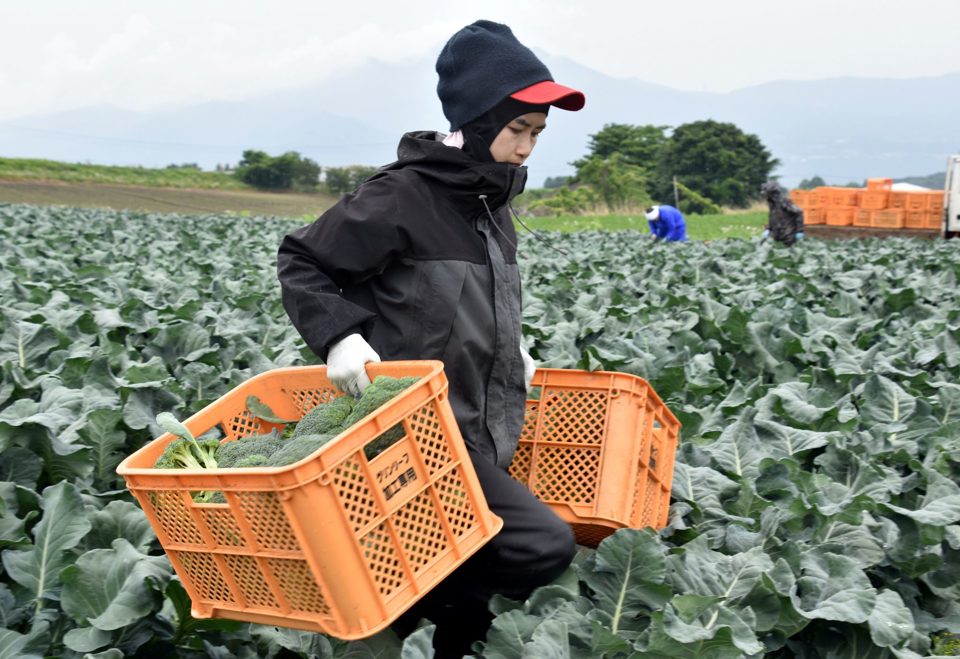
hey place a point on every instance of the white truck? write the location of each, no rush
(951, 199)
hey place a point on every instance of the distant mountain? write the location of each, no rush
(843, 129)
(936, 181)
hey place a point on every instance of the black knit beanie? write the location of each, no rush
(481, 65)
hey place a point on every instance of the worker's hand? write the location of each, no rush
(345, 364)
(766, 234)
(529, 367)
(799, 235)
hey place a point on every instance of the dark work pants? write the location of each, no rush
(533, 548)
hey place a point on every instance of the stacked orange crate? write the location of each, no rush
(915, 206)
(813, 211)
(898, 200)
(915, 219)
(840, 206)
(934, 210)
(877, 195)
(809, 202)
(891, 218)
(863, 217)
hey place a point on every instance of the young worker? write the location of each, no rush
(666, 223)
(785, 220)
(420, 262)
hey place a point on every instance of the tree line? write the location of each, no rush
(292, 171)
(700, 166)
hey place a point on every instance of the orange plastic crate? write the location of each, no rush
(900, 199)
(874, 200)
(933, 219)
(935, 201)
(915, 219)
(799, 196)
(889, 219)
(335, 543)
(813, 198)
(879, 184)
(863, 217)
(840, 217)
(598, 448)
(913, 201)
(844, 197)
(824, 196)
(813, 216)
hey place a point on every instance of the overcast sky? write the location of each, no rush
(64, 54)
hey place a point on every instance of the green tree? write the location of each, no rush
(620, 184)
(811, 183)
(556, 181)
(717, 160)
(283, 172)
(637, 145)
(341, 180)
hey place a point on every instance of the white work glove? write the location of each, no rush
(345, 364)
(529, 367)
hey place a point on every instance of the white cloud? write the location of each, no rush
(57, 54)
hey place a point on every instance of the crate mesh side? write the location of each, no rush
(382, 560)
(253, 586)
(204, 573)
(421, 531)
(639, 492)
(243, 424)
(567, 474)
(520, 465)
(456, 503)
(223, 527)
(352, 487)
(653, 461)
(299, 586)
(573, 417)
(528, 432)
(651, 504)
(174, 517)
(306, 399)
(425, 426)
(266, 518)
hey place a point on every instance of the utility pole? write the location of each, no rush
(676, 194)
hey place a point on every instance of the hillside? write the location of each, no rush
(841, 129)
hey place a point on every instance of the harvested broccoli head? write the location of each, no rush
(297, 448)
(239, 452)
(382, 389)
(189, 454)
(325, 418)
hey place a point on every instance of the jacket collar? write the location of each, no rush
(463, 177)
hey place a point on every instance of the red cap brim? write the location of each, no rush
(550, 93)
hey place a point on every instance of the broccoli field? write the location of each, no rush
(816, 505)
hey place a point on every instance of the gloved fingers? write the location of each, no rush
(529, 367)
(341, 376)
(345, 364)
(359, 383)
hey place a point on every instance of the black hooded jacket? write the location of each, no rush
(414, 262)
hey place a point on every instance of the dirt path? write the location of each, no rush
(164, 200)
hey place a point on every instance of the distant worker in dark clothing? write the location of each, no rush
(785, 222)
(666, 223)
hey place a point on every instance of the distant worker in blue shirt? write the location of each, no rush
(666, 223)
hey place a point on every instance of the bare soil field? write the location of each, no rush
(164, 200)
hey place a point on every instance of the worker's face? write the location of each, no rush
(515, 142)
